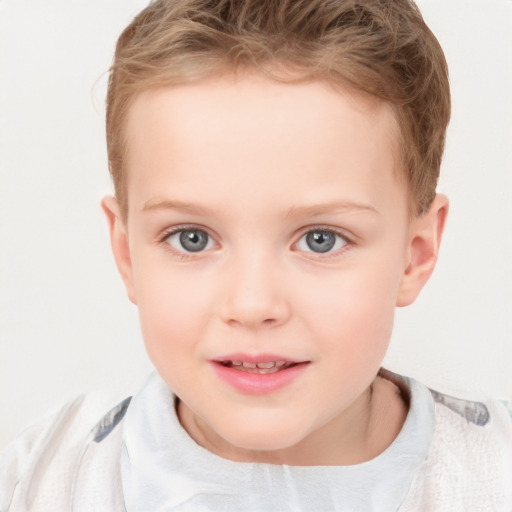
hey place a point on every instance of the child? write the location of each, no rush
(275, 166)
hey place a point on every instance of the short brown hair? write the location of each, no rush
(380, 47)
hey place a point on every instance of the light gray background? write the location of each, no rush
(66, 326)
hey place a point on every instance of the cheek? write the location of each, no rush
(171, 309)
(354, 312)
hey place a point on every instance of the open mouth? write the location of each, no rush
(260, 368)
(258, 374)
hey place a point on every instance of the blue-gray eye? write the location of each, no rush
(190, 240)
(320, 241)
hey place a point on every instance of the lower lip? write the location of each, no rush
(258, 383)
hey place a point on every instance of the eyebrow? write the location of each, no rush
(166, 204)
(313, 210)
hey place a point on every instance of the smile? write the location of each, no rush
(258, 375)
(260, 368)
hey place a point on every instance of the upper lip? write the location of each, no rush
(257, 358)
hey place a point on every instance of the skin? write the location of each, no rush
(258, 164)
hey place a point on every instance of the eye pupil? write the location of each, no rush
(193, 240)
(320, 241)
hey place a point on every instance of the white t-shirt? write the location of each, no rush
(451, 454)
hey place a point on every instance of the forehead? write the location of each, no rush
(247, 133)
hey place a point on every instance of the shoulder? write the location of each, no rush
(24, 460)
(37, 470)
(469, 466)
(473, 430)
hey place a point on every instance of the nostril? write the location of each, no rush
(253, 322)
(253, 311)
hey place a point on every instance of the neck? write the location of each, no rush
(358, 434)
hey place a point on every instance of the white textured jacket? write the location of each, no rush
(61, 464)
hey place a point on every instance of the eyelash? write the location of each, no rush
(331, 254)
(183, 255)
(348, 242)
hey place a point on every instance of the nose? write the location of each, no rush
(255, 295)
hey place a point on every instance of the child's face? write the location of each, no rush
(266, 224)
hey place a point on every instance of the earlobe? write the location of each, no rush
(425, 240)
(119, 242)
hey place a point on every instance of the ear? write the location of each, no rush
(423, 248)
(119, 242)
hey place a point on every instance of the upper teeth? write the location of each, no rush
(269, 364)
